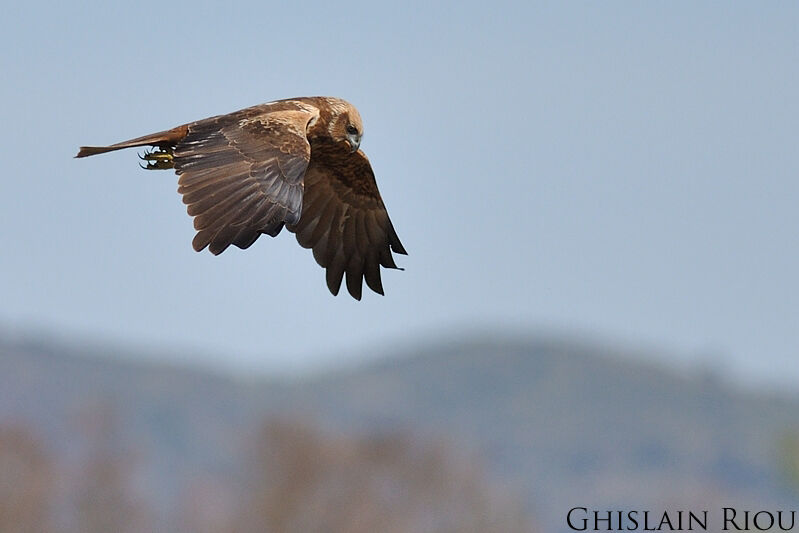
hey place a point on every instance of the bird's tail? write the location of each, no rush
(162, 139)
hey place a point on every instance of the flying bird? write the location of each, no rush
(293, 163)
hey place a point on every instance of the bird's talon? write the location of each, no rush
(158, 159)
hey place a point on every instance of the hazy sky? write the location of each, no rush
(624, 169)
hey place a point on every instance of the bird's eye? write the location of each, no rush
(352, 130)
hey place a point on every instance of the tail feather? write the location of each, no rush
(168, 138)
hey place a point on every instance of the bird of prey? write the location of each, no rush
(293, 162)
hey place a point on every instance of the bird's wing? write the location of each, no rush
(345, 222)
(241, 174)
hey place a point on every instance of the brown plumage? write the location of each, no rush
(291, 162)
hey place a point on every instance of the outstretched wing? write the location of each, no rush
(241, 174)
(344, 220)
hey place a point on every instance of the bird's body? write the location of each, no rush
(290, 162)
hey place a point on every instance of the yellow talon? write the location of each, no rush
(157, 159)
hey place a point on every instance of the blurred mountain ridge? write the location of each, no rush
(566, 423)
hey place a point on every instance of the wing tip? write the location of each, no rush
(333, 281)
(394, 241)
(200, 241)
(398, 249)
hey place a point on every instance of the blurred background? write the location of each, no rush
(598, 308)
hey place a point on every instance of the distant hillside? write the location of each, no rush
(566, 423)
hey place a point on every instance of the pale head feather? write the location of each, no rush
(344, 115)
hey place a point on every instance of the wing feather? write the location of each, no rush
(326, 216)
(212, 231)
(371, 272)
(241, 175)
(335, 272)
(215, 203)
(355, 276)
(344, 220)
(195, 194)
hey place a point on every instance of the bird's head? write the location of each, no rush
(346, 125)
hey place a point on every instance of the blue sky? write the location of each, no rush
(623, 169)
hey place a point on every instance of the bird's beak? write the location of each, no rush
(355, 141)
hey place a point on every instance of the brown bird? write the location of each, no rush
(293, 162)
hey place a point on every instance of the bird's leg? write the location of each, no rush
(158, 159)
